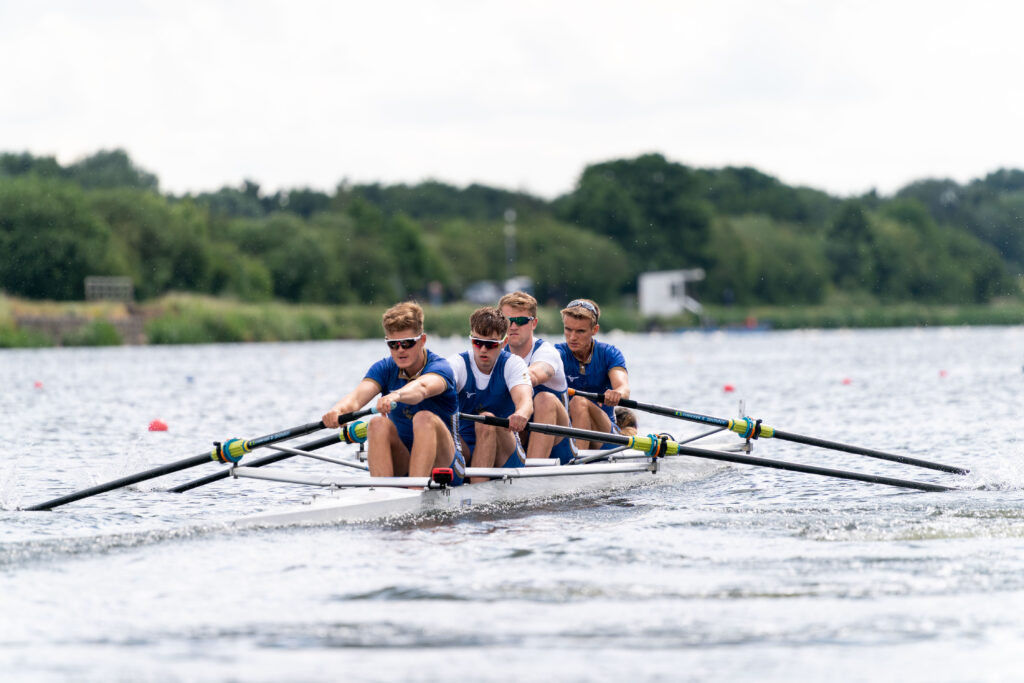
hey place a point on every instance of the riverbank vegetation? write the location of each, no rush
(307, 264)
(195, 319)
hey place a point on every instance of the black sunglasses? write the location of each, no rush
(406, 343)
(487, 343)
(520, 319)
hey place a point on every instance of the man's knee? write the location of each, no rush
(379, 426)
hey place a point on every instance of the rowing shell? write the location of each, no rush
(362, 498)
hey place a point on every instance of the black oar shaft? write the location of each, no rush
(712, 455)
(870, 452)
(259, 462)
(269, 459)
(173, 467)
(124, 481)
(785, 436)
(810, 469)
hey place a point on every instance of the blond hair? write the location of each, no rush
(404, 316)
(583, 309)
(520, 300)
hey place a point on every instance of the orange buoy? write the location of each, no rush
(158, 426)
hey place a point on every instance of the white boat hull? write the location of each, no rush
(370, 503)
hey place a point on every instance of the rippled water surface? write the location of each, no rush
(743, 574)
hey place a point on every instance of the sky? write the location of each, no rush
(844, 97)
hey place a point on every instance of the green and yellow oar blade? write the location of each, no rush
(753, 429)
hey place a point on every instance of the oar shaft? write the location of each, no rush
(710, 455)
(258, 462)
(810, 469)
(556, 430)
(270, 459)
(657, 410)
(209, 456)
(124, 481)
(870, 452)
(768, 432)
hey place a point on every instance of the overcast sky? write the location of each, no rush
(841, 96)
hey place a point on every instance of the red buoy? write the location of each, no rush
(728, 388)
(38, 384)
(158, 426)
(847, 380)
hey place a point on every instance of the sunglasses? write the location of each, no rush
(583, 304)
(487, 343)
(520, 319)
(406, 343)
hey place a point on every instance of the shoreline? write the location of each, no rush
(193, 319)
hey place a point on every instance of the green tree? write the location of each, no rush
(110, 169)
(849, 248)
(50, 240)
(167, 245)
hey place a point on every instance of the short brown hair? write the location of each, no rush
(520, 300)
(583, 309)
(488, 320)
(404, 316)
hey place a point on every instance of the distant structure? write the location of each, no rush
(663, 292)
(105, 288)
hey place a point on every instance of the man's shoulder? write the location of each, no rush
(611, 354)
(385, 364)
(437, 364)
(606, 347)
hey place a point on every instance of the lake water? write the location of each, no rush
(746, 574)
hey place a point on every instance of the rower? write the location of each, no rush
(418, 404)
(591, 366)
(492, 381)
(547, 375)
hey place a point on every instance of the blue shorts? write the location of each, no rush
(458, 464)
(517, 458)
(565, 450)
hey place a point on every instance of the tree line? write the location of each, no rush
(759, 240)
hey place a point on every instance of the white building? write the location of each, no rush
(664, 292)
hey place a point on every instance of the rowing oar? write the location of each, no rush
(354, 432)
(229, 451)
(748, 428)
(661, 446)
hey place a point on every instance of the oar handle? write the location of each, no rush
(657, 410)
(556, 430)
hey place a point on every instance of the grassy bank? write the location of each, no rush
(188, 319)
